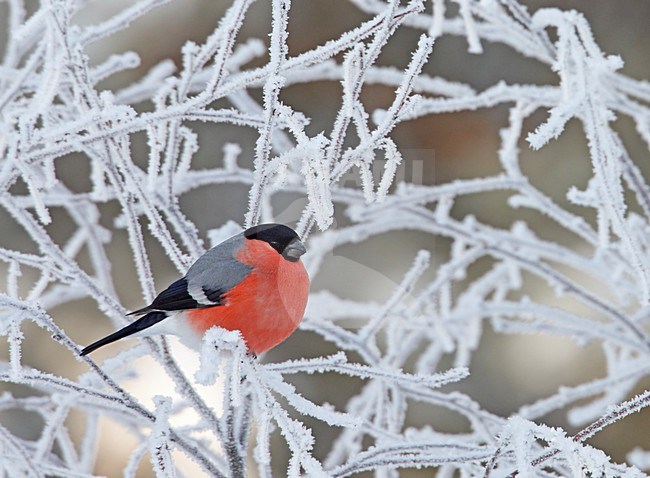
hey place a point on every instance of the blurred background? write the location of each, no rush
(507, 371)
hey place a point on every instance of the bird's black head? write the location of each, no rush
(280, 237)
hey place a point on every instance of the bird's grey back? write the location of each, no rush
(218, 269)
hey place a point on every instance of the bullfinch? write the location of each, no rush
(253, 282)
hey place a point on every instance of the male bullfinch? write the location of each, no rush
(253, 282)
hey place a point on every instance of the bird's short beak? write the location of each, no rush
(294, 250)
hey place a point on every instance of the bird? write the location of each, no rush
(253, 282)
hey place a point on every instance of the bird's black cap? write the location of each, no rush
(279, 237)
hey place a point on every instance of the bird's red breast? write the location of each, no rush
(266, 306)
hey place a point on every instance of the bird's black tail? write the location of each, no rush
(145, 322)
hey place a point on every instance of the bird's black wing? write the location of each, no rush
(174, 297)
